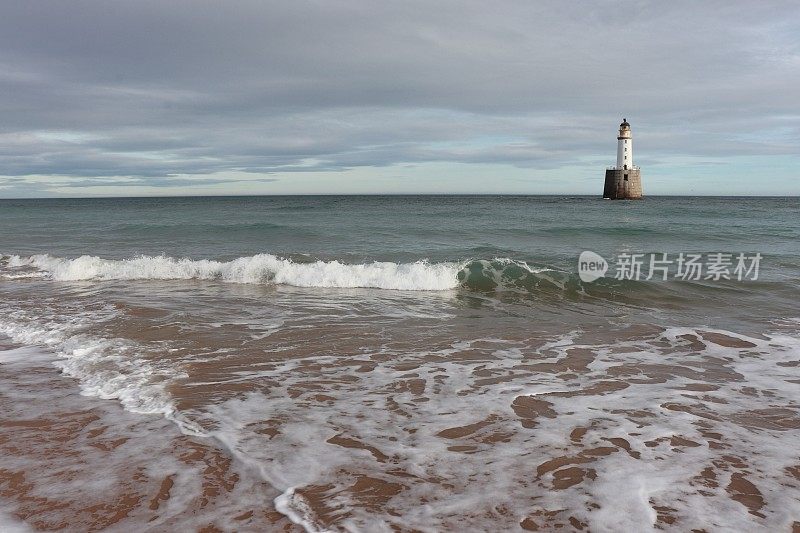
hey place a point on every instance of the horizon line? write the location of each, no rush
(598, 196)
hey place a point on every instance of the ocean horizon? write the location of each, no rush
(260, 195)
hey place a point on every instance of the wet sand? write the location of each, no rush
(69, 462)
(530, 434)
(198, 405)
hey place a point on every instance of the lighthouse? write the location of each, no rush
(624, 180)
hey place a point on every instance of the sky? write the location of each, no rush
(154, 97)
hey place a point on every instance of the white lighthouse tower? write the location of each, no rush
(623, 181)
(625, 146)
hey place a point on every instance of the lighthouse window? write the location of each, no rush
(626, 177)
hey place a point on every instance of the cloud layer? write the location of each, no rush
(97, 93)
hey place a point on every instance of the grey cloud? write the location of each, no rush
(127, 181)
(151, 89)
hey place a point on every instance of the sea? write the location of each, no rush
(400, 363)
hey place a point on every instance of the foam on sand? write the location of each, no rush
(459, 428)
(9, 525)
(79, 463)
(635, 435)
(105, 368)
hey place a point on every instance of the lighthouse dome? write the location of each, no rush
(624, 124)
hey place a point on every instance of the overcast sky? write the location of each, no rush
(262, 97)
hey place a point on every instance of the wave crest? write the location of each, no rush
(475, 274)
(261, 268)
(510, 274)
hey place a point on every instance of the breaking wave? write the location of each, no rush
(481, 274)
(261, 268)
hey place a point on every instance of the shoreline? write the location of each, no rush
(94, 465)
(129, 468)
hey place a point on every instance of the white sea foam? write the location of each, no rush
(93, 470)
(25, 275)
(105, 368)
(10, 525)
(261, 268)
(370, 407)
(296, 510)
